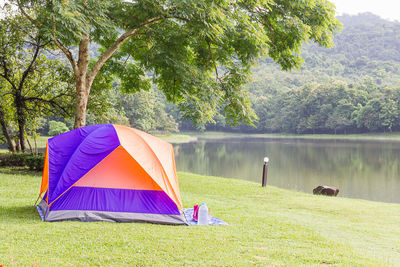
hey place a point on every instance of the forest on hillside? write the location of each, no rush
(353, 87)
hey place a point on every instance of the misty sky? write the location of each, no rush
(387, 9)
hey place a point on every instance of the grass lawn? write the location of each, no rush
(268, 226)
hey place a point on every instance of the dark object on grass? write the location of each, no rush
(326, 190)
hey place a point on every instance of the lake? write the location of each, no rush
(360, 169)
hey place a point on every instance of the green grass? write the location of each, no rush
(268, 226)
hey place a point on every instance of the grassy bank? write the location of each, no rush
(359, 137)
(176, 138)
(268, 226)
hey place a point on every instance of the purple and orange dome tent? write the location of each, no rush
(110, 173)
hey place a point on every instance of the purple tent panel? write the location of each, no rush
(73, 154)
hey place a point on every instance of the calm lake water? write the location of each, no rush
(360, 169)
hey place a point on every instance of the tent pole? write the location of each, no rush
(37, 200)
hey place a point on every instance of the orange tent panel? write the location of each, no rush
(149, 155)
(45, 176)
(118, 170)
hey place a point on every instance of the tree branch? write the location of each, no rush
(27, 15)
(65, 50)
(50, 102)
(114, 47)
(68, 54)
(29, 68)
(213, 60)
(5, 75)
(40, 45)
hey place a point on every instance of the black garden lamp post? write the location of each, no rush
(265, 172)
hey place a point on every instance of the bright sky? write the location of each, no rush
(387, 9)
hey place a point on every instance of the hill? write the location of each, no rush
(368, 47)
(350, 88)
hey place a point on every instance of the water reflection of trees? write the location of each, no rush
(359, 169)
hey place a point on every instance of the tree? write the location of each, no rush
(57, 127)
(341, 118)
(146, 111)
(5, 119)
(28, 78)
(389, 113)
(198, 52)
(368, 115)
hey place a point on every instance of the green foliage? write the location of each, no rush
(34, 162)
(328, 108)
(146, 111)
(31, 84)
(12, 159)
(57, 127)
(198, 53)
(352, 87)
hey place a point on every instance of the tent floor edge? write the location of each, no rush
(41, 208)
(106, 216)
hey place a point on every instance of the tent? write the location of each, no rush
(110, 173)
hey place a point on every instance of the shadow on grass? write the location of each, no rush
(25, 213)
(19, 171)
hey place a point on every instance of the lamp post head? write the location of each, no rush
(266, 160)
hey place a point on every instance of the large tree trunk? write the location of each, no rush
(4, 129)
(82, 84)
(82, 96)
(21, 135)
(19, 104)
(17, 145)
(29, 143)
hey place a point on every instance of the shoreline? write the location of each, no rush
(395, 137)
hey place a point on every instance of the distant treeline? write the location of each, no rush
(326, 108)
